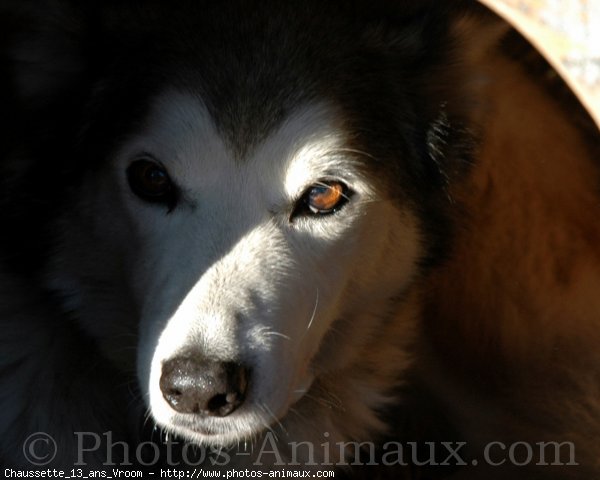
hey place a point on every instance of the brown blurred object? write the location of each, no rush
(567, 33)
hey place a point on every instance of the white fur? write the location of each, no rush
(301, 303)
(228, 274)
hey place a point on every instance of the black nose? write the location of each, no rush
(197, 385)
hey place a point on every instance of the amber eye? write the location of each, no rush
(150, 181)
(322, 198)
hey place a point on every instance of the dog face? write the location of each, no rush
(241, 268)
(249, 198)
(239, 282)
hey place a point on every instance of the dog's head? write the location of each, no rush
(249, 191)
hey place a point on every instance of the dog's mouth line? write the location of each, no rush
(212, 436)
(262, 416)
(198, 428)
(263, 420)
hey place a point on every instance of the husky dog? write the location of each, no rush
(232, 199)
(223, 212)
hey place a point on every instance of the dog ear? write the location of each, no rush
(438, 50)
(434, 51)
(415, 26)
(477, 30)
(436, 40)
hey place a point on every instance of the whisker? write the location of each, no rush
(324, 402)
(314, 313)
(297, 413)
(277, 334)
(266, 407)
(148, 417)
(265, 423)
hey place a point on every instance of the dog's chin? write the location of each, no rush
(224, 434)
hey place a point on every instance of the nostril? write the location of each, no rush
(224, 403)
(202, 386)
(173, 394)
(218, 402)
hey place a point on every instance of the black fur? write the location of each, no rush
(77, 78)
(393, 68)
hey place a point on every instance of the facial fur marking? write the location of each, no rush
(237, 270)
